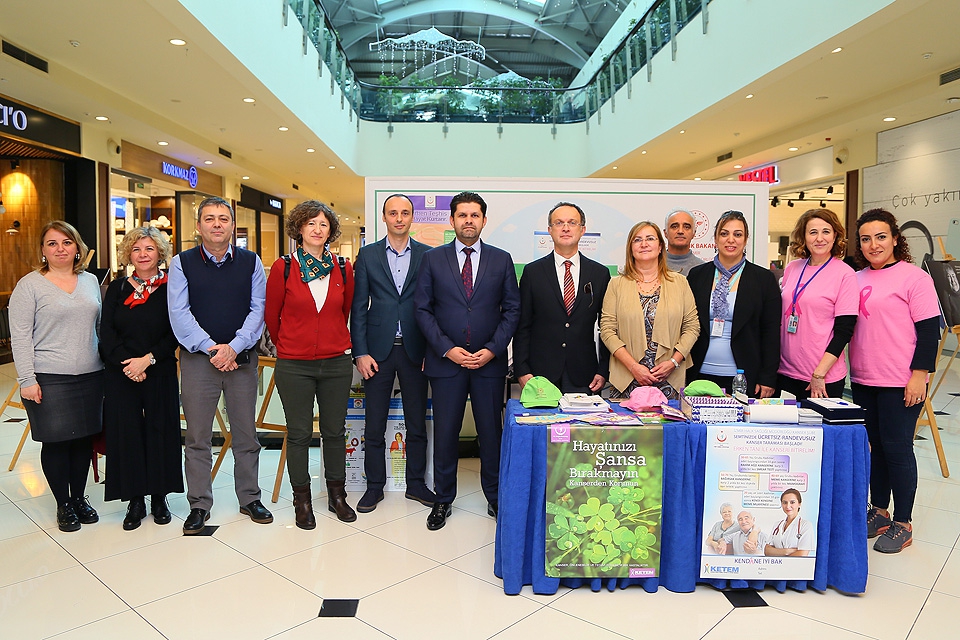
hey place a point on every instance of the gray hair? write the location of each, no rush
(666, 221)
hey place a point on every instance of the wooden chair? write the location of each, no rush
(10, 402)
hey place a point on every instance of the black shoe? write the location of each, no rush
(492, 509)
(257, 512)
(369, 500)
(438, 515)
(160, 510)
(136, 511)
(86, 513)
(195, 522)
(420, 494)
(67, 519)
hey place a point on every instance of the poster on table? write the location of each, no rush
(395, 440)
(761, 502)
(603, 501)
(517, 211)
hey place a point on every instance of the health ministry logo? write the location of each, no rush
(721, 436)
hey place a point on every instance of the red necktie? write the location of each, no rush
(467, 273)
(569, 293)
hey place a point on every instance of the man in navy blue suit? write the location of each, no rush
(388, 344)
(468, 306)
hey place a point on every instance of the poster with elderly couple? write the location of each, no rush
(761, 502)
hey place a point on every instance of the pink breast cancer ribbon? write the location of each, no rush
(864, 295)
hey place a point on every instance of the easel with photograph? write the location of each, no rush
(927, 416)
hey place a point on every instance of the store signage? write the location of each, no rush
(763, 174)
(182, 173)
(276, 204)
(34, 125)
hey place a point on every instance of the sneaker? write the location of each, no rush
(877, 523)
(894, 540)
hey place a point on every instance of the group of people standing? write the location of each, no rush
(445, 316)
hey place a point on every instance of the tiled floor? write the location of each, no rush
(269, 581)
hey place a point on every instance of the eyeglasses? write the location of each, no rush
(560, 224)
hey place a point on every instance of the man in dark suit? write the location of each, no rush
(468, 306)
(387, 343)
(560, 299)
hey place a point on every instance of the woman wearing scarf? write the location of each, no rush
(739, 308)
(306, 313)
(141, 411)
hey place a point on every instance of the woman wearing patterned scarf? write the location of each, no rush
(141, 410)
(306, 312)
(739, 307)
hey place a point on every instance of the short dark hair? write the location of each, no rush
(901, 251)
(727, 217)
(214, 201)
(383, 211)
(306, 211)
(583, 217)
(468, 196)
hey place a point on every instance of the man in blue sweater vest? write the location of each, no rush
(216, 294)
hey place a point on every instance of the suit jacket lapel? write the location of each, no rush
(455, 268)
(480, 270)
(416, 253)
(382, 259)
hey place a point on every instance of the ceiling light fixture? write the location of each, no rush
(284, 128)
(162, 143)
(208, 162)
(749, 95)
(789, 203)
(793, 149)
(245, 178)
(738, 166)
(775, 202)
(177, 42)
(823, 205)
(837, 50)
(800, 195)
(698, 179)
(829, 189)
(683, 131)
(953, 99)
(102, 118)
(249, 100)
(615, 167)
(310, 150)
(644, 152)
(331, 167)
(889, 119)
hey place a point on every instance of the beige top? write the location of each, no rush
(675, 327)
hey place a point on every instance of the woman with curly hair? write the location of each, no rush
(309, 294)
(141, 410)
(819, 306)
(893, 350)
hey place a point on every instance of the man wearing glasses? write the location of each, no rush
(679, 228)
(560, 299)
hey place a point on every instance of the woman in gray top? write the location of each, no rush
(54, 318)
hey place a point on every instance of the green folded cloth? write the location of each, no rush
(703, 388)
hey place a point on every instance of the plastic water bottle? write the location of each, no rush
(739, 385)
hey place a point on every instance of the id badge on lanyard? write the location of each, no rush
(716, 329)
(792, 322)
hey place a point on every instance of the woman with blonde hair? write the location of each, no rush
(649, 318)
(142, 396)
(54, 318)
(819, 301)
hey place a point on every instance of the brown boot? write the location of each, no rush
(303, 507)
(337, 501)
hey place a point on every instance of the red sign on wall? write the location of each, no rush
(764, 174)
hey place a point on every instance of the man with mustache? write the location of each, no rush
(679, 227)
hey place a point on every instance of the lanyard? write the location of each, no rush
(798, 290)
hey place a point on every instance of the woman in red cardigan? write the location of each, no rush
(308, 304)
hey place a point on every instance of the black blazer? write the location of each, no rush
(548, 341)
(755, 335)
(377, 307)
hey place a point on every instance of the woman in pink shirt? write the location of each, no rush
(819, 306)
(893, 349)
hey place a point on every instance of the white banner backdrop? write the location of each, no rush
(517, 211)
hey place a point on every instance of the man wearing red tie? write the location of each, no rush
(560, 299)
(467, 305)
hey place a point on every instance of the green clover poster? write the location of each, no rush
(604, 501)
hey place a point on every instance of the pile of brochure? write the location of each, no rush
(583, 403)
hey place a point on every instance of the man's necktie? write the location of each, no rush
(569, 293)
(467, 272)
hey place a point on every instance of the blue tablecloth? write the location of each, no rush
(521, 533)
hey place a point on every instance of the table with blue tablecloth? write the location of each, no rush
(521, 533)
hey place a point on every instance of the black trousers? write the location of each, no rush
(893, 465)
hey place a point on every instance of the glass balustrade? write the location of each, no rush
(510, 99)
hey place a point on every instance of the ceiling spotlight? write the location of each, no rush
(789, 203)
(889, 119)
(738, 166)
(245, 177)
(775, 202)
(208, 162)
(800, 196)
(310, 150)
(162, 143)
(331, 167)
(14, 165)
(829, 189)
(102, 118)
(249, 100)
(284, 128)
(74, 43)
(794, 149)
(644, 152)
(683, 130)
(615, 167)
(823, 205)
(749, 95)
(698, 179)
(837, 50)
(177, 42)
